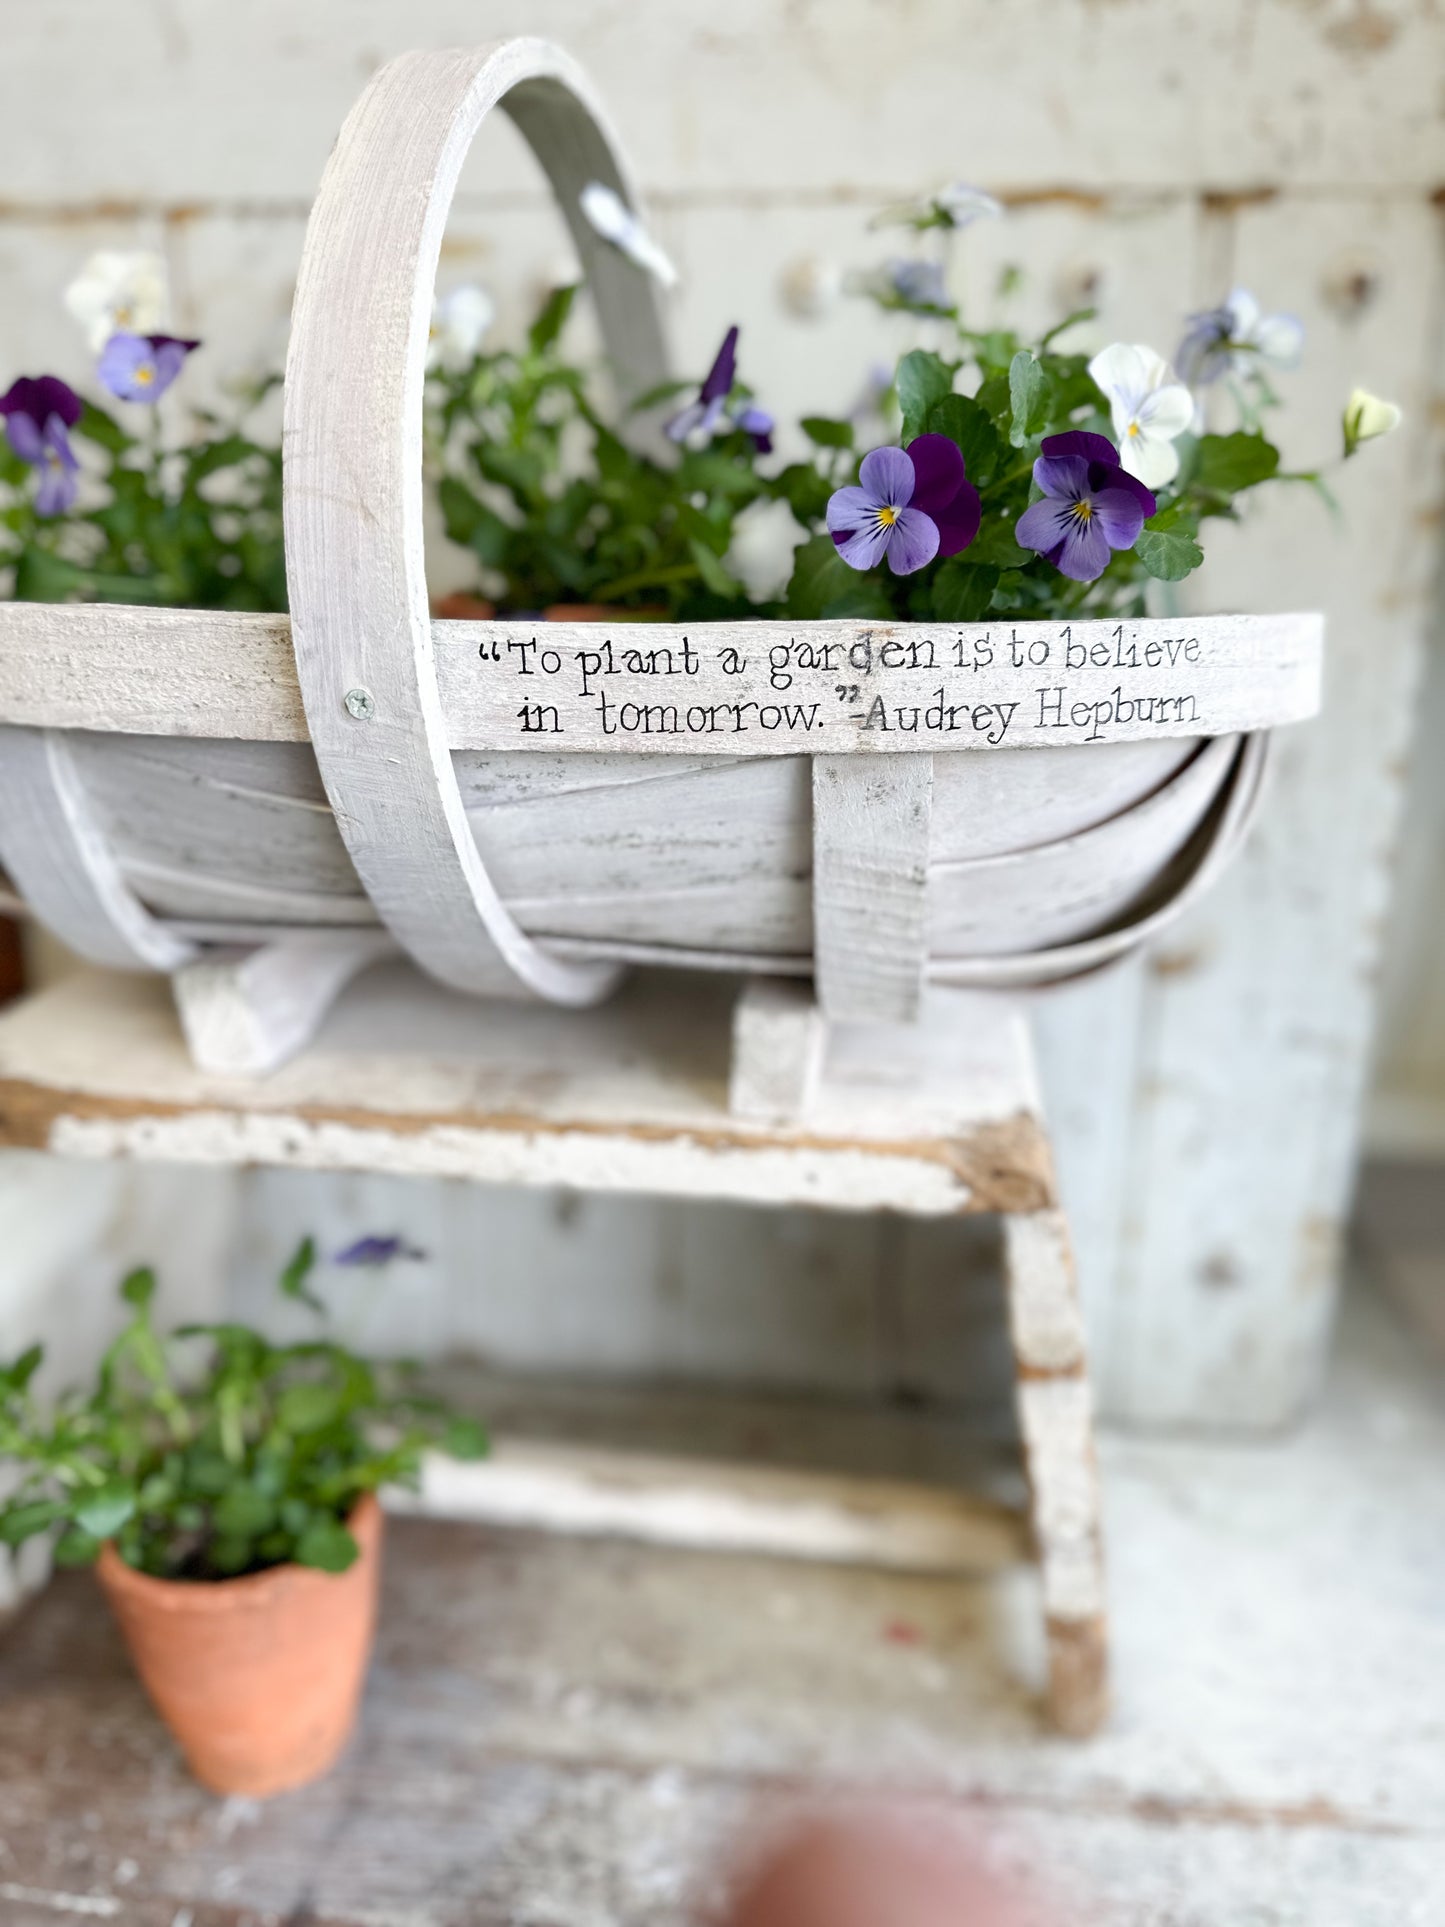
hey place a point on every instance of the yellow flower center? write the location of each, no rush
(1082, 511)
(887, 517)
(1134, 428)
(145, 374)
(122, 316)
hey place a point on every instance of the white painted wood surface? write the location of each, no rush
(56, 853)
(826, 687)
(715, 1506)
(1335, 177)
(778, 1039)
(872, 825)
(243, 1012)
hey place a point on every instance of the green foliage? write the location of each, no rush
(214, 1452)
(557, 506)
(194, 526)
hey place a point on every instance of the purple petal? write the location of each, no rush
(24, 435)
(958, 523)
(182, 342)
(1107, 475)
(1066, 477)
(887, 475)
(1084, 552)
(1093, 448)
(40, 397)
(937, 472)
(914, 541)
(850, 509)
(721, 375)
(1043, 525)
(1120, 516)
(678, 427)
(865, 547)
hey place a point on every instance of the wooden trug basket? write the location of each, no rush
(527, 809)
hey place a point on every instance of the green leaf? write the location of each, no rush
(923, 379)
(823, 585)
(15, 1378)
(962, 593)
(230, 1553)
(138, 1287)
(1230, 463)
(552, 320)
(75, 1548)
(714, 575)
(21, 1522)
(292, 1282)
(464, 1438)
(43, 577)
(327, 1545)
(965, 423)
(826, 432)
(307, 1407)
(1168, 554)
(805, 491)
(243, 1512)
(102, 429)
(1028, 387)
(994, 545)
(104, 1512)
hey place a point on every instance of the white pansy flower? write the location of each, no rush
(610, 216)
(115, 292)
(1149, 409)
(459, 322)
(957, 205)
(1367, 418)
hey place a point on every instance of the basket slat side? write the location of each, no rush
(65, 866)
(871, 828)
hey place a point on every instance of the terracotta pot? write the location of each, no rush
(599, 612)
(462, 606)
(258, 1678)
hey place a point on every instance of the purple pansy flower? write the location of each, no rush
(910, 504)
(142, 367)
(372, 1252)
(704, 416)
(38, 411)
(1091, 505)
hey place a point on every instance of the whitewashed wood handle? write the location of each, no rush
(353, 482)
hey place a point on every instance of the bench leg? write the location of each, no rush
(1055, 1402)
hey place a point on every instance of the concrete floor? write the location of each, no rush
(567, 1733)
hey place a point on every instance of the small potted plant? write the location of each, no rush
(225, 1488)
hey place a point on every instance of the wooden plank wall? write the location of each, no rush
(1208, 1097)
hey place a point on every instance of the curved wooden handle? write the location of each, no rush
(353, 481)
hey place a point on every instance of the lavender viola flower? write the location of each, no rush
(39, 411)
(700, 419)
(1091, 505)
(909, 504)
(1227, 339)
(371, 1253)
(142, 367)
(917, 285)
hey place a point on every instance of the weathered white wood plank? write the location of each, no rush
(246, 1011)
(411, 1079)
(871, 827)
(777, 1050)
(1206, 104)
(501, 685)
(717, 1506)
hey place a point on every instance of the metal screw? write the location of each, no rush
(361, 704)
